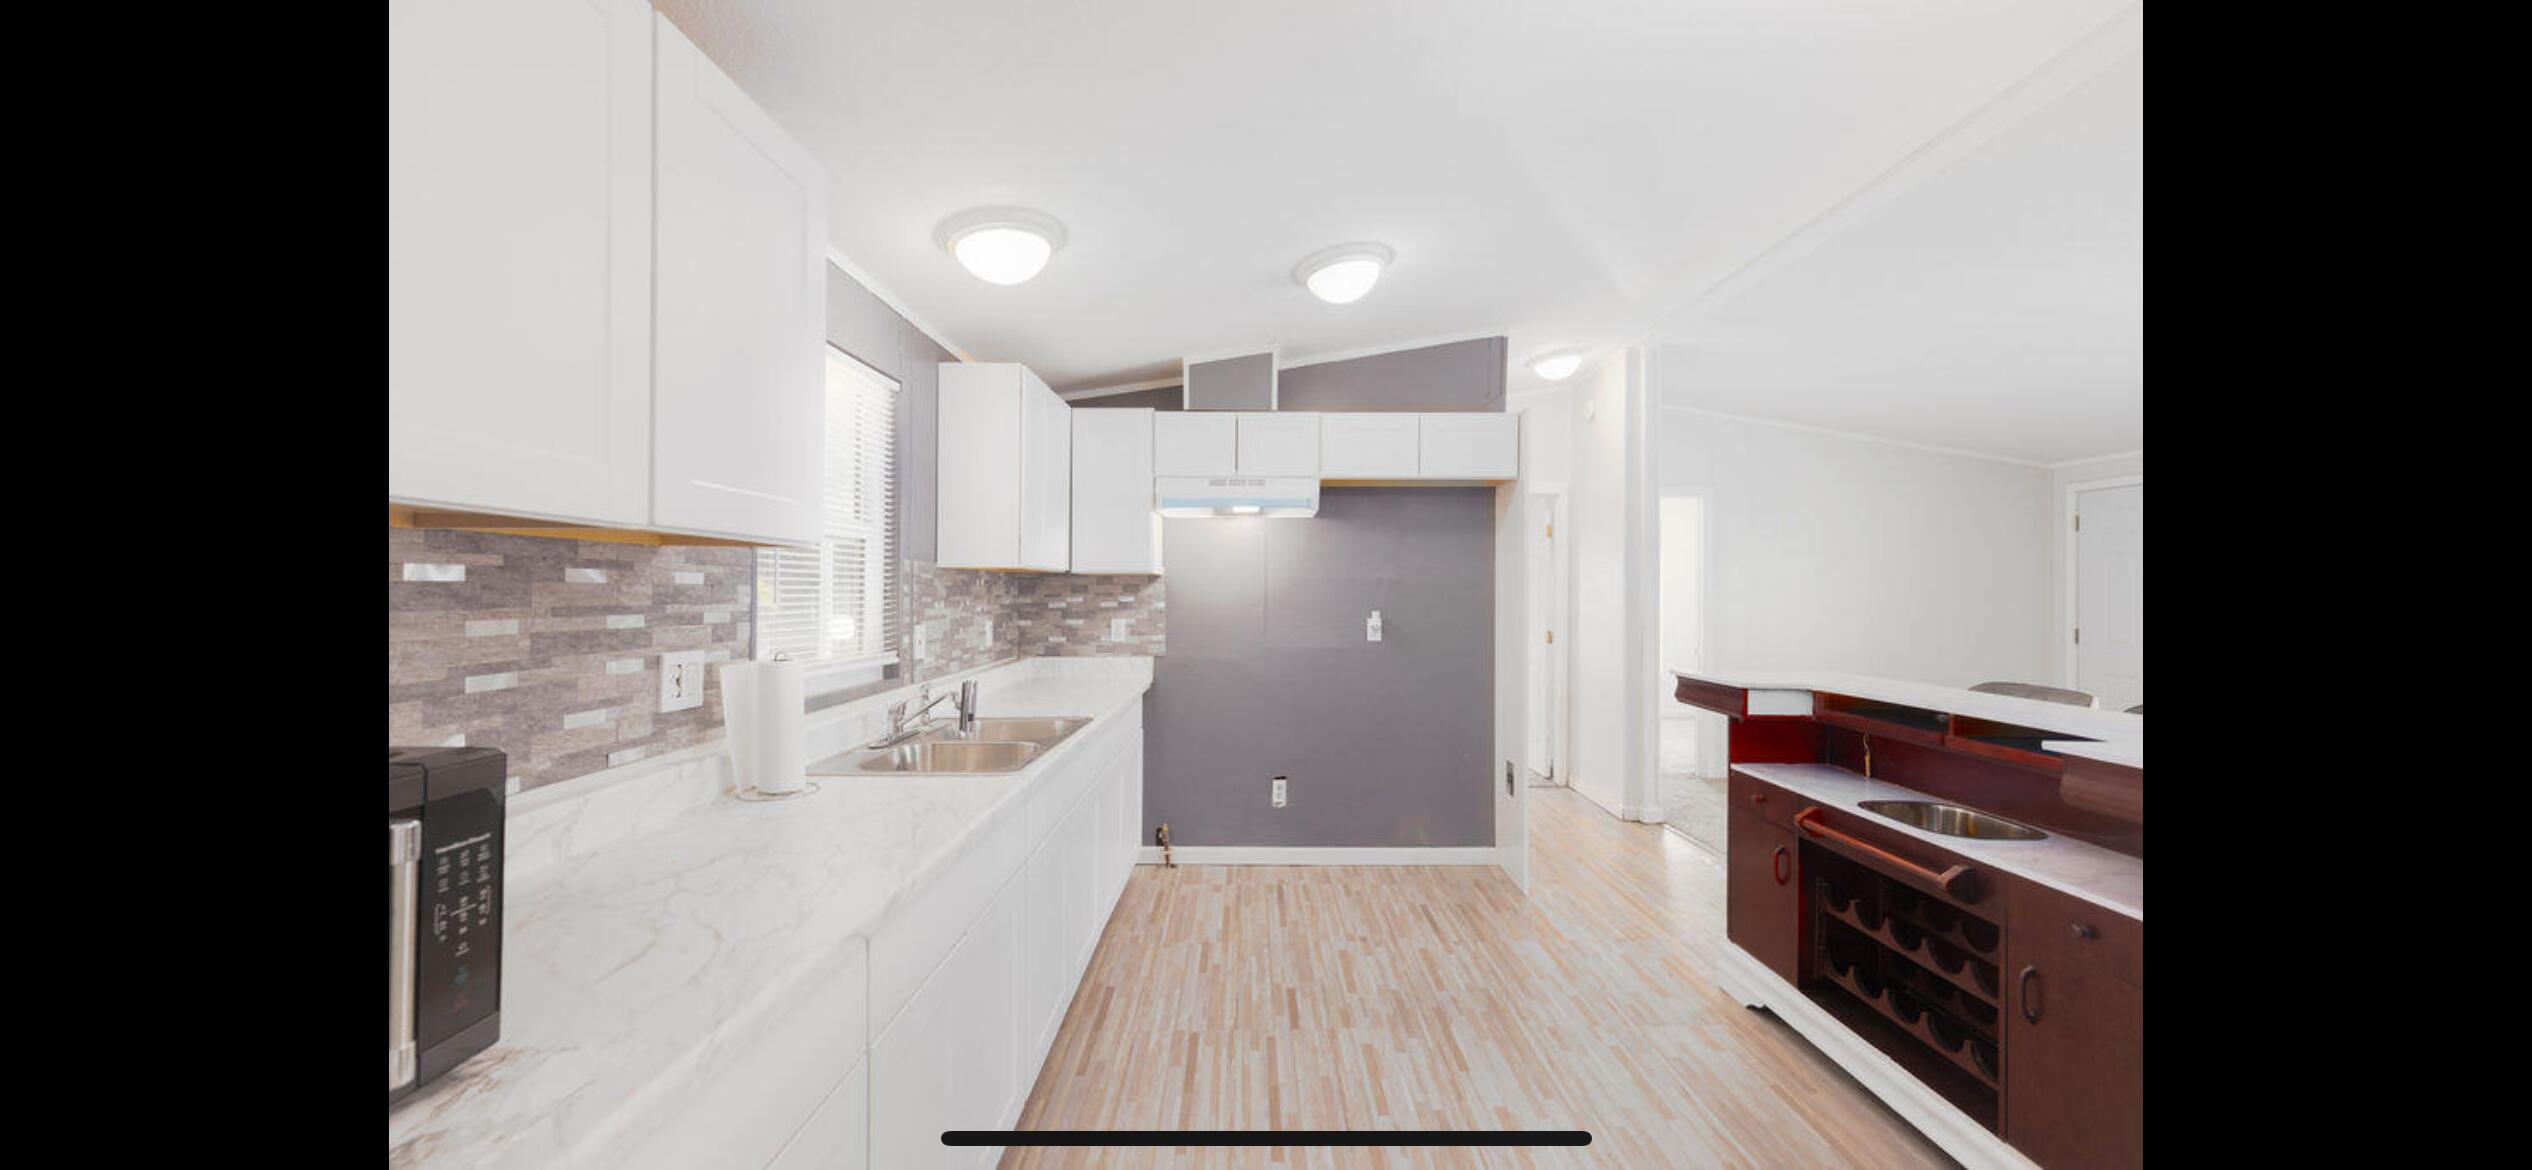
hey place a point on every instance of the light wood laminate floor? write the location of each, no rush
(1226, 997)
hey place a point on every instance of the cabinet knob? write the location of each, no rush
(2083, 931)
(1758, 798)
(1782, 863)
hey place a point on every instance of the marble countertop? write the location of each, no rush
(2104, 877)
(635, 971)
(2121, 735)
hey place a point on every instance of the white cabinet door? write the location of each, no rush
(837, 1136)
(1368, 445)
(1471, 446)
(1189, 442)
(519, 256)
(1283, 443)
(979, 462)
(1114, 529)
(951, 1059)
(738, 373)
(1046, 461)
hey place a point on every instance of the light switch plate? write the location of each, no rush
(1279, 792)
(681, 680)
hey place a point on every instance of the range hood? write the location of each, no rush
(1184, 496)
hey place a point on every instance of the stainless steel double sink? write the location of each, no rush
(993, 745)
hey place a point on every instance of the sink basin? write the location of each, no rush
(1043, 730)
(934, 755)
(1952, 820)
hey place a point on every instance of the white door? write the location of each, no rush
(518, 256)
(2110, 595)
(740, 291)
(1545, 587)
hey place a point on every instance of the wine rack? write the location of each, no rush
(1924, 971)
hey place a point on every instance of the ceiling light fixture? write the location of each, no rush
(1002, 245)
(1342, 274)
(1556, 365)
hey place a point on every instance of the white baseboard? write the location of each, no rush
(1755, 985)
(1313, 855)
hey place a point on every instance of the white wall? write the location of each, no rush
(2061, 619)
(1611, 598)
(1847, 554)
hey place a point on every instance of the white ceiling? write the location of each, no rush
(1564, 172)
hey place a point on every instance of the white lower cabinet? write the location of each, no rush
(967, 983)
(837, 1136)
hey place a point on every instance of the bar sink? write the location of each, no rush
(935, 755)
(1952, 820)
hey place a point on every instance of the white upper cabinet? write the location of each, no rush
(606, 296)
(1115, 529)
(1191, 442)
(1005, 469)
(741, 312)
(1470, 446)
(1368, 445)
(518, 256)
(1279, 443)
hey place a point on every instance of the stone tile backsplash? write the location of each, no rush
(549, 649)
(1067, 616)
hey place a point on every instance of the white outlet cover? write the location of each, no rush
(681, 680)
(1279, 794)
(1120, 629)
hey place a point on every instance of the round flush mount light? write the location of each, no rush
(1556, 365)
(1342, 274)
(1002, 245)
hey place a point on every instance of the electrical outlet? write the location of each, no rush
(681, 680)
(1120, 629)
(1371, 627)
(1279, 792)
(922, 641)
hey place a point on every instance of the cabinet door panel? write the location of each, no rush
(519, 256)
(1369, 445)
(1187, 442)
(1114, 528)
(2074, 1078)
(838, 1134)
(1762, 909)
(1470, 446)
(1283, 443)
(739, 379)
(1046, 460)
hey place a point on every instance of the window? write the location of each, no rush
(835, 605)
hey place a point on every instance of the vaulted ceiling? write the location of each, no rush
(1842, 208)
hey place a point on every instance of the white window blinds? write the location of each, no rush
(836, 603)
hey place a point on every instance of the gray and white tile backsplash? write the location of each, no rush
(549, 649)
(1066, 616)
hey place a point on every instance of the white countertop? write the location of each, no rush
(2121, 735)
(635, 971)
(2104, 877)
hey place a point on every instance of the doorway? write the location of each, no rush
(2107, 651)
(1692, 803)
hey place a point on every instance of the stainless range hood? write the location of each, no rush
(1183, 496)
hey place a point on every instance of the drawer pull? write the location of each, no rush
(2084, 931)
(1951, 881)
(1783, 865)
(2030, 1002)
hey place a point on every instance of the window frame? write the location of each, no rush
(830, 673)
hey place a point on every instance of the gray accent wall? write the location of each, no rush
(1386, 743)
(1266, 672)
(1246, 382)
(1462, 375)
(861, 324)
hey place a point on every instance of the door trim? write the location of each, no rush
(2071, 567)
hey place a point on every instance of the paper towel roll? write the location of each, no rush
(763, 705)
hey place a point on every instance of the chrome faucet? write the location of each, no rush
(911, 717)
